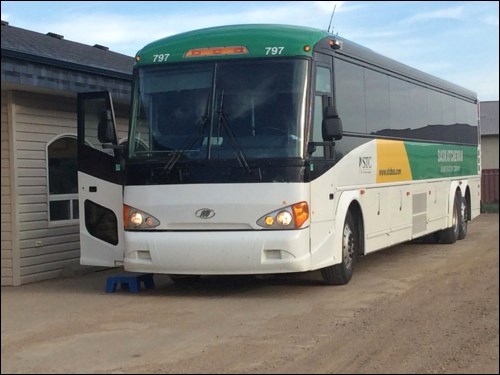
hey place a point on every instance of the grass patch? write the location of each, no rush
(490, 208)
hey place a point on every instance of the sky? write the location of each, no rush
(454, 40)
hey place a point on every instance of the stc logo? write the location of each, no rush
(365, 162)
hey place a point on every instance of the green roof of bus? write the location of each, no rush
(258, 39)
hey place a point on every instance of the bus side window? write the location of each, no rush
(323, 87)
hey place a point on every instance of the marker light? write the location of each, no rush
(335, 44)
(137, 219)
(216, 51)
(300, 213)
(307, 48)
(138, 58)
(289, 217)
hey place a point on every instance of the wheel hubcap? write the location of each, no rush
(455, 219)
(348, 246)
(463, 210)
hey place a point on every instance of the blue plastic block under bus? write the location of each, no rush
(130, 282)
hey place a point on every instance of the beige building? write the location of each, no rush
(488, 123)
(489, 134)
(40, 78)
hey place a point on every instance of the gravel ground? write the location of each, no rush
(412, 308)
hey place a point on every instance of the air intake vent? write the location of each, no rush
(104, 48)
(54, 35)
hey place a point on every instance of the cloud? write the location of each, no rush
(128, 33)
(484, 83)
(340, 6)
(491, 20)
(400, 31)
(456, 13)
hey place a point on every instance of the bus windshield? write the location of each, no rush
(219, 110)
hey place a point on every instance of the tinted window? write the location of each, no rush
(377, 101)
(435, 108)
(350, 94)
(101, 222)
(449, 110)
(323, 87)
(219, 110)
(417, 111)
(399, 103)
(471, 114)
(323, 80)
(460, 112)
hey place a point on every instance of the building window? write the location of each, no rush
(62, 180)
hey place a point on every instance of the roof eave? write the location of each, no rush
(64, 64)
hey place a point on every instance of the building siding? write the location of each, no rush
(489, 186)
(489, 152)
(44, 250)
(6, 214)
(40, 79)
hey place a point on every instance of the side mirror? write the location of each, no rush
(331, 125)
(105, 128)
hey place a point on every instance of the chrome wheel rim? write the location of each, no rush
(348, 246)
(455, 219)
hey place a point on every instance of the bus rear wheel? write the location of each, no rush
(341, 274)
(464, 213)
(451, 234)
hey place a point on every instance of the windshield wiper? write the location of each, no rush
(234, 143)
(191, 141)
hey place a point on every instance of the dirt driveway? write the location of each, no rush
(412, 308)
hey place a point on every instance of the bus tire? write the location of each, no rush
(450, 235)
(464, 213)
(341, 274)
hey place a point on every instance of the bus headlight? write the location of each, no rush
(134, 218)
(290, 217)
(284, 218)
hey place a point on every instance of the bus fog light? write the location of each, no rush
(284, 218)
(269, 221)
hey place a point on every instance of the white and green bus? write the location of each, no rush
(264, 149)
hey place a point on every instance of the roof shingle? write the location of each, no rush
(28, 42)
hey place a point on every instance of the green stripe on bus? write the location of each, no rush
(441, 160)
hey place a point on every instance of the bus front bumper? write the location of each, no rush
(218, 252)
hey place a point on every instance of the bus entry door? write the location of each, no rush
(100, 187)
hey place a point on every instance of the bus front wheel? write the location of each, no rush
(341, 274)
